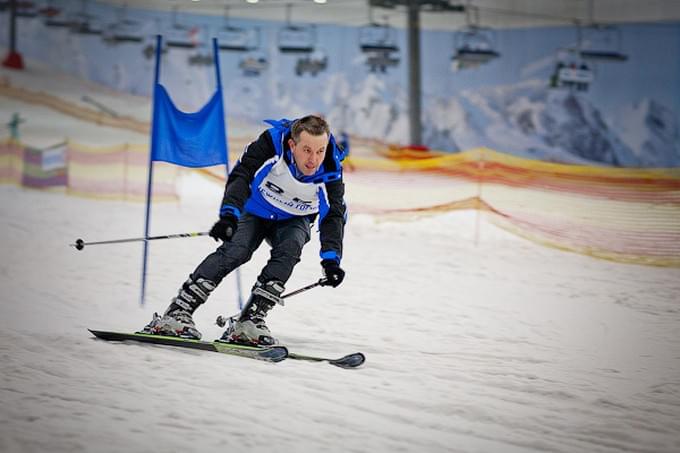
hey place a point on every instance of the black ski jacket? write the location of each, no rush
(239, 189)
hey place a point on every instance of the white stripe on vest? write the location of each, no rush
(283, 191)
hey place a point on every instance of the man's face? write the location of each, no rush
(309, 151)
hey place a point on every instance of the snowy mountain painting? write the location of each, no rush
(527, 119)
(626, 116)
(531, 120)
(652, 131)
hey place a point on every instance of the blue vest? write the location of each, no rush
(269, 199)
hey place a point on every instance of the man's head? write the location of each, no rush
(308, 142)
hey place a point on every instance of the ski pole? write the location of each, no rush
(80, 244)
(221, 321)
(306, 288)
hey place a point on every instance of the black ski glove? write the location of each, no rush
(225, 228)
(334, 273)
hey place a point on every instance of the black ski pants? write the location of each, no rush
(286, 238)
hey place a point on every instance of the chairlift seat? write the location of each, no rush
(86, 27)
(377, 37)
(368, 48)
(125, 30)
(26, 9)
(237, 39)
(575, 75)
(179, 37)
(603, 55)
(475, 56)
(59, 19)
(296, 39)
(253, 65)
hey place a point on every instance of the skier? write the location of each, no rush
(283, 181)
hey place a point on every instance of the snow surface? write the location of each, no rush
(500, 346)
(504, 346)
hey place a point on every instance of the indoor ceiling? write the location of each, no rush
(492, 13)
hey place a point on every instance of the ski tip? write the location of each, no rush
(350, 360)
(274, 353)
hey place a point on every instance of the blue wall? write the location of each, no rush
(628, 115)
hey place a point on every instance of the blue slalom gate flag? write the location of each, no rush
(195, 139)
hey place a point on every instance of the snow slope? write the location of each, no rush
(501, 347)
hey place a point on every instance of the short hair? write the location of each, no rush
(312, 124)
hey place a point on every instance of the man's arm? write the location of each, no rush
(332, 227)
(237, 190)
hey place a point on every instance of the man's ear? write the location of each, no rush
(291, 142)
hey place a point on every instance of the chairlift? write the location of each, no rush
(149, 47)
(128, 30)
(83, 23)
(381, 61)
(49, 10)
(377, 37)
(182, 36)
(253, 64)
(123, 30)
(237, 39)
(200, 59)
(571, 71)
(475, 46)
(378, 43)
(55, 17)
(311, 64)
(26, 9)
(296, 38)
(601, 43)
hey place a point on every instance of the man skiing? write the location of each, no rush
(286, 179)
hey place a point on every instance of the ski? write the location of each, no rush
(349, 361)
(275, 353)
(269, 354)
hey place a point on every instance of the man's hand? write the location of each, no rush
(334, 273)
(224, 229)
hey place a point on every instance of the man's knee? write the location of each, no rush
(289, 250)
(234, 254)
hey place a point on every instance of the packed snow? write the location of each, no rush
(503, 346)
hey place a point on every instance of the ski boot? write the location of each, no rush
(177, 320)
(249, 327)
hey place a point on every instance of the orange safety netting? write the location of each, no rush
(621, 214)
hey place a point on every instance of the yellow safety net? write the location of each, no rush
(621, 214)
(114, 172)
